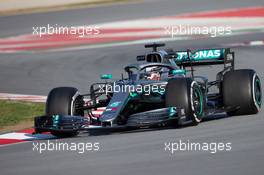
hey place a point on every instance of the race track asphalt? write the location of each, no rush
(137, 152)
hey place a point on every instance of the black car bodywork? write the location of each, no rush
(135, 103)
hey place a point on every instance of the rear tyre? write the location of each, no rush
(62, 101)
(242, 91)
(186, 93)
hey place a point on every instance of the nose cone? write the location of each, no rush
(115, 107)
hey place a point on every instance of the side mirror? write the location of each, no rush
(106, 76)
(141, 58)
(178, 72)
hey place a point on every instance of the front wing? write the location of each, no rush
(65, 123)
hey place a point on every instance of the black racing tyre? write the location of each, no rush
(62, 101)
(187, 94)
(242, 91)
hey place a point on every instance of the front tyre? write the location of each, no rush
(63, 101)
(186, 93)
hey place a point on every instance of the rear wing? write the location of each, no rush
(204, 57)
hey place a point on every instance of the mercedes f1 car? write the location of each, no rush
(160, 89)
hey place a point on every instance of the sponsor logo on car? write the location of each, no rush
(202, 54)
(115, 104)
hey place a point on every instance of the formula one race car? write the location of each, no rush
(160, 89)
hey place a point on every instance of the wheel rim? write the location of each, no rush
(258, 95)
(197, 102)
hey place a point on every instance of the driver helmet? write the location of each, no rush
(152, 73)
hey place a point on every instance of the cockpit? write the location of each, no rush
(150, 71)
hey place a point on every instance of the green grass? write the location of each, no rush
(13, 112)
